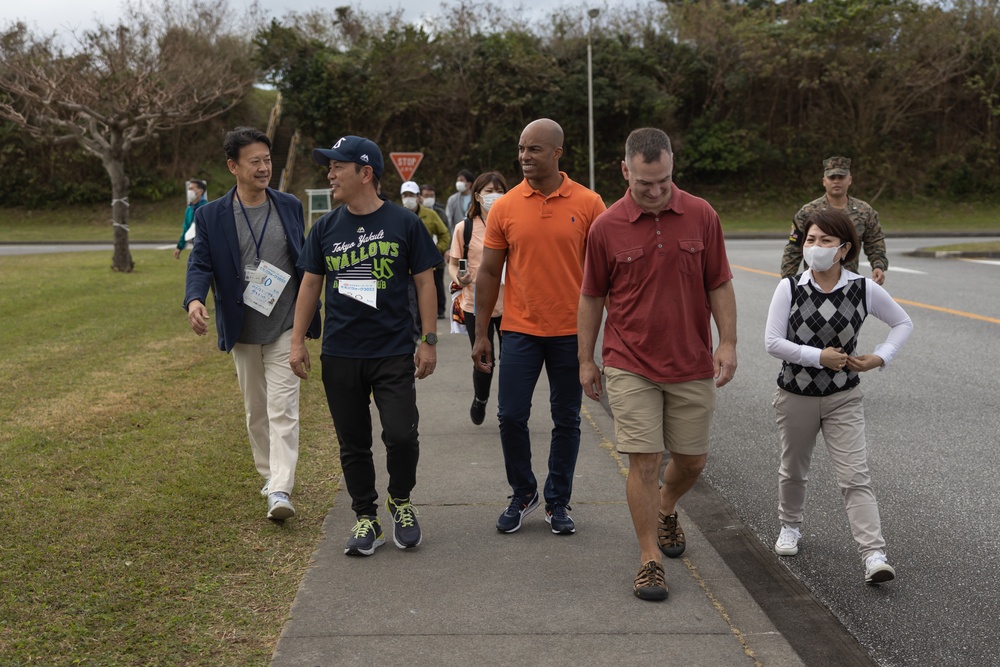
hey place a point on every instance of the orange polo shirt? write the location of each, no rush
(546, 239)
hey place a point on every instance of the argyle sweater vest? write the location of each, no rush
(823, 320)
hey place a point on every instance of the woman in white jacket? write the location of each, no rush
(812, 326)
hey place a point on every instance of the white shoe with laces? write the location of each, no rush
(878, 570)
(279, 506)
(788, 541)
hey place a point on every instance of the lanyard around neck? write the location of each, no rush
(246, 217)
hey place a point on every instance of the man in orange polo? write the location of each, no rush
(540, 229)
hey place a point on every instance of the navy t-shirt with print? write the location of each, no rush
(380, 249)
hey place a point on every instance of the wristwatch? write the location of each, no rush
(430, 339)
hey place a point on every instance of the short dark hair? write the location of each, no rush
(200, 184)
(467, 175)
(649, 142)
(494, 178)
(428, 186)
(835, 223)
(239, 137)
(375, 180)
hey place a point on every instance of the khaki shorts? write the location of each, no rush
(653, 416)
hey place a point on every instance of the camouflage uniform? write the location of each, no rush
(864, 217)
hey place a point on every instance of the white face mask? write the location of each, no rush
(461, 186)
(429, 202)
(410, 203)
(192, 196)
(820, 259)
(489, 199)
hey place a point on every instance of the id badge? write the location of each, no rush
(252, 275)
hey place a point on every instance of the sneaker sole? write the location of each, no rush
(525, 512)
(881, 576)
(651, 594)
(564, 531)
(354, 551)
(784, 551)
(403, 545)
(281, 512)
(673, 552)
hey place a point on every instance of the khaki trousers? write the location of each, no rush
(271, 399)
(841, 419)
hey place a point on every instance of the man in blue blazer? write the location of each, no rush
(249, 242)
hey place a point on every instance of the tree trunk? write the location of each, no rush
(122, 258)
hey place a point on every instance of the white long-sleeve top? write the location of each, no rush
(880, 305)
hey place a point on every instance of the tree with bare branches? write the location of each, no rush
(123, 84)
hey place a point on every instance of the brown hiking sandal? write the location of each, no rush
(670, 536)
(649, 583)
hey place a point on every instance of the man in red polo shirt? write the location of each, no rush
(658, 258)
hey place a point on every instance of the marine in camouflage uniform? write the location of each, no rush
(836, 175)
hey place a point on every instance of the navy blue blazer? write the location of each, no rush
(215, 261)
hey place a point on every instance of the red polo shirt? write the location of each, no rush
(656, 271)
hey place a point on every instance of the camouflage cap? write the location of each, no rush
(837, 166)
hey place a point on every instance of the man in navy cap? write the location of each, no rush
(367, 249)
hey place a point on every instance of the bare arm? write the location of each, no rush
(588, 324)
(487, 291)
(426, 358)
(722, 301)
(305, 308)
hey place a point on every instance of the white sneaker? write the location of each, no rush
(788, 541)
(878, 570)
(266, 489)
(279, 507)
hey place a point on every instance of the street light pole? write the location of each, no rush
(593, 13)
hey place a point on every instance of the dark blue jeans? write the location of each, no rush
(523, 357)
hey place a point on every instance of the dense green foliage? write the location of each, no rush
(754, 94)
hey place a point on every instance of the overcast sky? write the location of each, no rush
(61, 15)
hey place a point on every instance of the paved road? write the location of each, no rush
(933, 420)
(47, 248)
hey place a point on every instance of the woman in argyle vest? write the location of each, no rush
(812, 326)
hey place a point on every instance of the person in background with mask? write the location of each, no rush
(458, 204)
(409, 192)
(428, 199)
(196, 198)
(486, 189)
(812, 326)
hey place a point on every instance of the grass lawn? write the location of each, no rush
(162, 221)
(134, 533)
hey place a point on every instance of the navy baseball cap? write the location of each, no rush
(352, 149)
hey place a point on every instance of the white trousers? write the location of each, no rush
(271, 398)
(841, 418)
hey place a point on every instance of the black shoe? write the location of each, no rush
(477, 411)
(519, 508)
(366, 537)
(405, 529)
(558, 517)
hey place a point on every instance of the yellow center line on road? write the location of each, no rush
(916, 304)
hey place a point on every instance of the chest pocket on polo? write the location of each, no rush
(629, 260)
(692, 256)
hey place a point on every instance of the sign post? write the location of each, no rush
(406, 163)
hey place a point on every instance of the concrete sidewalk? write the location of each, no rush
(470, 595)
